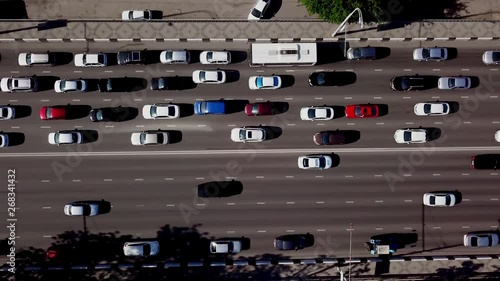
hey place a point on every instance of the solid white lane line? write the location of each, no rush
(231, 125)
(351, 124)
(290, 70)
(438, 123)
(106, 99)
(320, 124)
(77, 71)
(46, 71)
(139, 126)
(169, 99)
(139, 71)
(44, 100)
(435, 97)
(77, 126)
(76, 100)
(109, 126)
(108, 71)
(380, 123)
(409, 123)
(169, 179)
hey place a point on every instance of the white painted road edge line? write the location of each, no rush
(251, 151)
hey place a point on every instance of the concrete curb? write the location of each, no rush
(239, 40)
(250, 262)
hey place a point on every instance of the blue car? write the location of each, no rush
(210, 107)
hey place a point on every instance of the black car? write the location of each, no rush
(293, 242)
(323, 78)
(217, 189)
(408, 83)
(121, 84)
(174, 83)
(131, 57)
(485, 162)
(109, 114)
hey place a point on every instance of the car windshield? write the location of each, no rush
(448, 200)
(452, 83)
(219, 76)
(204, 107)
(159, 137)
(171, 111)
(99, 115)
(426, 53)
(321, 79)
(256, 13)
(100, 58)
(495, 56)
(490, 240)
(4, 112)
(358, 111)
(202, 75)
(74, 137)
(170, 56)
(153, 111)
(407, 136)
(356, 53)
(445, 107)
(326, 138)
(28, 58)
(242, 134)
(311, 113)
(146, 249)
(322, 162)
(210, 56)
(161, 83)
(48, 112)
(473, 241)
(259, 82)
(432, 200)
(427, 108)
(405, 83)
(305, 162)
(255, 109)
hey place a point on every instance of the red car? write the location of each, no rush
(259, 108)
(52, 112)
(361, 111)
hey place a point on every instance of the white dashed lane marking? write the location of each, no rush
(349, 202)
(169, 179)
(259, 177)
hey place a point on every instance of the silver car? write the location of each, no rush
(141, 248)
(4, 140)
(430, 54)
(66, 137)
(19, 84)
(175, 57)
(225, 246)
(64, 86)
(7, 112)
(149, 138)
(481, 239)
(452, 83)
(491, 57)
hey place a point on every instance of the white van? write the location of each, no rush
(30, 59)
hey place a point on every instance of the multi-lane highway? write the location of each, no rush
(373, 187)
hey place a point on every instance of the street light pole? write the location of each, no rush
(343, 26)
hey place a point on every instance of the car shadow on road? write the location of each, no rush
(272, 132)
(46, 83)
(286, 80)
(273, 8)
(89, 136)
(63, 58)
(345, 78)
(330, 52)
(126, 113)
(238, 56)
(15, 138)
(474, 81)
(452, 53)
(234, 106)
(383, 109)
(382, 52)
(21, 111)
(175, 136)
(186, 109)
(351, 136)
(76, 111)
(112, 59)
(232, 75)
(433, 132)
(338, 111)
(151, 56)
(280, 107)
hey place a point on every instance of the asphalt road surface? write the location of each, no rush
(377, 185)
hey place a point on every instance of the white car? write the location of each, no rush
(451, 83)
(19, 84)
(264, 82)
(430, 54)
(225, 246)
(4, 140)
(439, 199)
(149, 138)
(497, 136)
(64, 86)
(431, 108)
(137, 15)
(66, 137)
(160, 111)
(175, 57)
(491, 57)
(91, 60)
(248, 134)
(141, 248)
(481, 239)
(209, 76)
(31, 59)
(215, 57)
(7, 112)
(312, 113)
(82, 208)
(315, 162)
(411, 136)
(258, 10)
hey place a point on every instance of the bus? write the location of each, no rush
(283, 54)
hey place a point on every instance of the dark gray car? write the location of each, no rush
(293, 242)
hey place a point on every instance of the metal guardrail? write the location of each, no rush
(247, 262)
